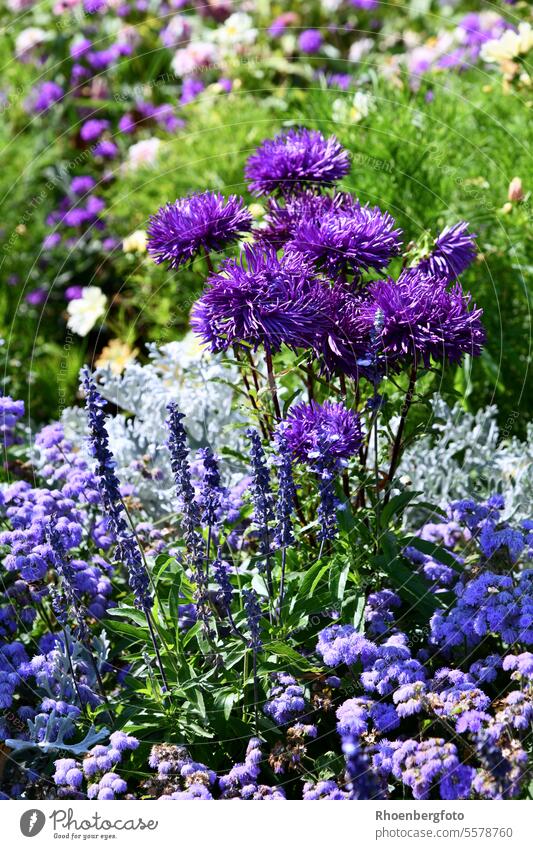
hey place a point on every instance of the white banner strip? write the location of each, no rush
(254, 825)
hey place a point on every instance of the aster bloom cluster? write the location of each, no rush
(302, 284)
(324, 437)
(295, 160)
(261, 299)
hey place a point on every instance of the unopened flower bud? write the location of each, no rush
(516, 191)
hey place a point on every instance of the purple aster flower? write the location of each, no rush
(294, 160)
(454, 250)
(45, 96)
(106, 149)
(421, 320)
(284, 217)
(349, 239)
(93, 129)
(51, 241)
(82, 185)
(261, 299)
(36, 297)
(280, 24)
(72, 293)
(367, 5)
(310, 41)
(325, 436)
(332, 425)
(202, 222)
(190, 90)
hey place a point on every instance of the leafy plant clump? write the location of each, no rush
(280, 613)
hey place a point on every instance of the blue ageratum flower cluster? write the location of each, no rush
(10, 414)
(64, 496)
(462, 686)
(95, 776)
(286, 700)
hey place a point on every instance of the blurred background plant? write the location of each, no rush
(434, 118)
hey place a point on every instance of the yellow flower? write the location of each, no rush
(256, 210)
(116, 355)
(135, 243)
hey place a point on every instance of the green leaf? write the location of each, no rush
(127, 612)
(283, 650)
(311, 579)
(410, 587)
(337, 579)
(438, 552)
(138, 634)
(396, 505)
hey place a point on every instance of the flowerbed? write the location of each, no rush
(257, 611)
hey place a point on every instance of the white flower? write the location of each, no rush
(84, 312)
(28, 40)
(236, 30)
(509, 46)
(143, 153)
(193, 58)
(19, 5)
(359, 49)
(345, 111)
(135, 243)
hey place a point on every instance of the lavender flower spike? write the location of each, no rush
(262, 499)
(109, 487)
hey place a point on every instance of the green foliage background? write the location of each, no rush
(430, 158)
